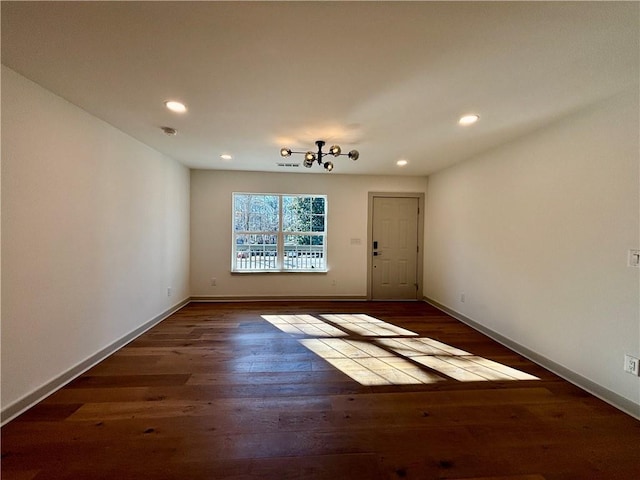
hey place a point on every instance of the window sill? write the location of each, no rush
(247, 272)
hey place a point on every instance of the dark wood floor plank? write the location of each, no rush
(217, 392)
(118, 381)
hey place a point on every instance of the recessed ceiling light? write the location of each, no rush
(469, 119)
(401, 163)
(175, 106)
(226, 156)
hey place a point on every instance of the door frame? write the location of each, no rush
(420, 196)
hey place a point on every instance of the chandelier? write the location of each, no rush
(311, 157)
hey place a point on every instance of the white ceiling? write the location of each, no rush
(387, 78)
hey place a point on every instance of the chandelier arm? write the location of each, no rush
(324, 154)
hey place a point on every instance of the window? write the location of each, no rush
(278, 233)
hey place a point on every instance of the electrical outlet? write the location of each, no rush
(462, 297)
(631, 365)
(214, 282)
(168, 291)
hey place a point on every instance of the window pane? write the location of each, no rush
(288, 213)
(256, 252)
(240, 212)
(317, 223)
(317, 205)
(296, 212)
(304, 252)
(255, 212)
(303, 214)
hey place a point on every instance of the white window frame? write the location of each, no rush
(308, 253)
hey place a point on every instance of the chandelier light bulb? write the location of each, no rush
(285, 152)
(328, 166)
(310, 156)
(335, 150)
(354, 155)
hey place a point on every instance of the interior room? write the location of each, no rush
(507, 132)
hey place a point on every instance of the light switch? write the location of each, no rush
(634, 258)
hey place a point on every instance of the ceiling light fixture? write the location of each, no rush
(311, 157)
(469, 119)
(401, 163)
(175, 106)
(226, 156)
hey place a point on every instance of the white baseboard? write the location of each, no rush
(11, 411)
(593, 388)
(277, 298)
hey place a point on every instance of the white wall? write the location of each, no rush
(95, 227)
(536, 235)
(347, 205)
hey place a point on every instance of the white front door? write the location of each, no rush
(394, 266)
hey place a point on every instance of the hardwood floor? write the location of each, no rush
(218, 392)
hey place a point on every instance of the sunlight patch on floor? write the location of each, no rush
(381, 354)
(368, 364)
(304, 325)
(367, 326)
